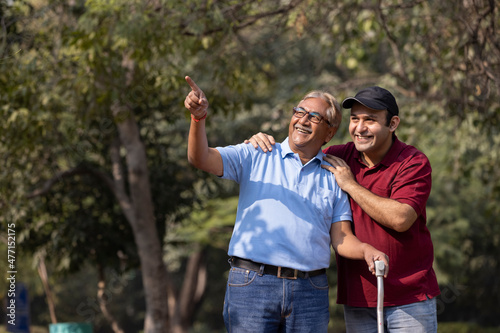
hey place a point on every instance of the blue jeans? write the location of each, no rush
(265, 303)
(416, 317)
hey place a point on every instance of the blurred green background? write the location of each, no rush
(109, 216)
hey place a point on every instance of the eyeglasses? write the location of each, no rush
(313, 117)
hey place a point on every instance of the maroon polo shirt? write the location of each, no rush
(403, 175)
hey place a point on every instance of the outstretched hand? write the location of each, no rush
(196, 101)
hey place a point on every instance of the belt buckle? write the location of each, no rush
(294, 277)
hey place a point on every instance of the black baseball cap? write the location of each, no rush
(376, 98)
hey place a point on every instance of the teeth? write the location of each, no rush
(302, 130)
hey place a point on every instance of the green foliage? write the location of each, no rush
(213, 221)
(63, 65)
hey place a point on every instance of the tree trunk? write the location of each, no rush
(140, 214)
(103, 301)
(191, 292)
(42, 272)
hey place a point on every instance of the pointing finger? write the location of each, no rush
(193, 85)
(197, 93)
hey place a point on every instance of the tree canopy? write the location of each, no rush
(94, 132)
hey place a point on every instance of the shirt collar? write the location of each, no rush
(393, 152)
(285, 150)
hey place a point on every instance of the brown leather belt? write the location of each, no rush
(280, 272)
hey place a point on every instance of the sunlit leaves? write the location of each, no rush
(64, 63)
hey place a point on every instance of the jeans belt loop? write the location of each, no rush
(261, 270)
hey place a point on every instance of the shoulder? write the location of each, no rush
(339, 150)
(411, 154)
(409, 162)
(245, 151)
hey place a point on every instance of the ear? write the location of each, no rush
(331, 132)
(394, 123)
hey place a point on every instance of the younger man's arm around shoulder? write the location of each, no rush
(388, 212)
(200, 155)
(346, 244)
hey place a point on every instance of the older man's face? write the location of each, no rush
(305, 135)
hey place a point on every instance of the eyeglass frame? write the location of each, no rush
(310, 115)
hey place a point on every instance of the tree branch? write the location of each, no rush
(79, 170)
(249, 20)
(400, 70)
(192, 288)
(119, 181)
(103, 300)
(42, 272)
(116, 185)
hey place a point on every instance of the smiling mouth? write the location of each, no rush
(303, 130)
(363, 137)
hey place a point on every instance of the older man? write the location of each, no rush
(290, 210)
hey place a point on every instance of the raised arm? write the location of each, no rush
(346, 244)
(200, 155)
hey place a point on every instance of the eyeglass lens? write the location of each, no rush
(313, 117)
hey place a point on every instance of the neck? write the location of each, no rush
(373, 158)
(304, 155)
(370, 162)
(304, 158)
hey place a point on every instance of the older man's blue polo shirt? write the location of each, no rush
(285, 209)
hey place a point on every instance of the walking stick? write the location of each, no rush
(379, 272)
